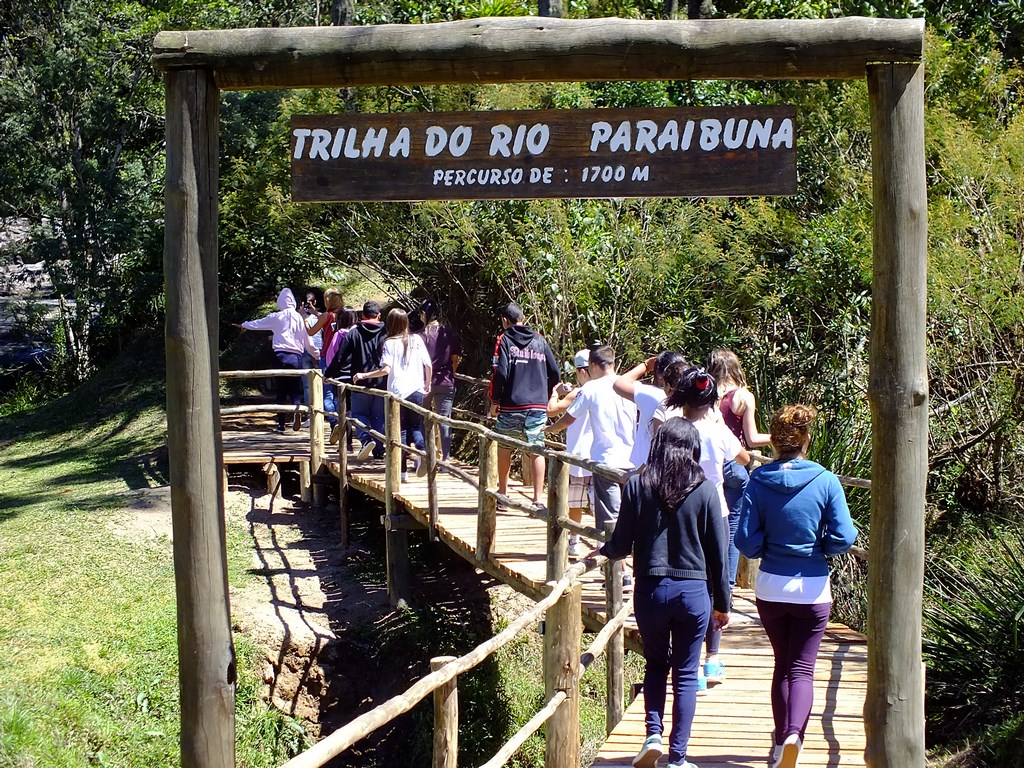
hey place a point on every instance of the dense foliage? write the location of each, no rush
(786, 282)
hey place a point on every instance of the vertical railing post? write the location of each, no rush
(343, 465)
(396, 541)
(558, 507)
(487, 506)
(316, 433)
(430, 441)
(563, 631)
(392, 451)
(616, 651)
(446, 719)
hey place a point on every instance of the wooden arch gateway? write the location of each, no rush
(889, 53)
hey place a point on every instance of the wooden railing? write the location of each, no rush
(561, 603)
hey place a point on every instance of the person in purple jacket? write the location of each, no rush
(290, 339)
(794, 515)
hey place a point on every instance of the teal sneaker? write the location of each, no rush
(702, 683)
(649, 753)
(714, 671)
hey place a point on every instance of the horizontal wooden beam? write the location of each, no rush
(530, 49)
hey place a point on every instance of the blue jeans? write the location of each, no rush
(369, 410)
(672, 616)
(412, 426)
(289, 390)
(735, 482)
(330, 395)
(440, 401)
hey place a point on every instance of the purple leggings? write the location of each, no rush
(795, 632)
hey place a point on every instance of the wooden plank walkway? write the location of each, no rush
(733, 722)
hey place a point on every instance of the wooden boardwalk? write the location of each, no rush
(733, 722)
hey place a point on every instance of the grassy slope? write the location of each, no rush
(87, 621)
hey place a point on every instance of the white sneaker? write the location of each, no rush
(365, 451)
(421, 467)
(405, 477)
(790, 752)
(649, 753)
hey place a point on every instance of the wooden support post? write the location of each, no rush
(397, 546)
(898, 392)
(446, 718)
(206, 655)
(615, 655)
(305, 482)
(487, 507)
(558, 506)
(563, 631)
(431, 439)
(396, 542)
(273, 479)
(343, 467)
(317, 443)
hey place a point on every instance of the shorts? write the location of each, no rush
(527, 426)
(579, 492)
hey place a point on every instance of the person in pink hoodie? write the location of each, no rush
(289, 341)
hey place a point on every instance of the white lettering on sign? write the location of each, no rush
(438, 140)
(648, 136)
(479, 177)
(509, 142)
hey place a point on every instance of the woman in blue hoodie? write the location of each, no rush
(794, 516)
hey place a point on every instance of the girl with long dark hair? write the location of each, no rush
(671, 522)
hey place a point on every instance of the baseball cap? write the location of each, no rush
(582, 358)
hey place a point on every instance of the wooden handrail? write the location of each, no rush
(344, 737)
(531, 727)
(603, 470)
(235, 410)
(265, 373)
(605, 635)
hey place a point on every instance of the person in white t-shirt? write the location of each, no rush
(694, 395)
(647, 397)
(613, 423)
(578, 438)
(406, 363)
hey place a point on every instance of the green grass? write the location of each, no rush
(87, 617)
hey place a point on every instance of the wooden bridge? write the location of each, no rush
(527, 549)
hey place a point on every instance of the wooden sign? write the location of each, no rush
(670, 152)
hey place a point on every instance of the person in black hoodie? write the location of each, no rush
(359, 353)
(525, 374)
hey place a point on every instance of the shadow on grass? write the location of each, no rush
(379, 652)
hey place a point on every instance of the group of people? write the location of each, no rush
(687, 511)
(361, 349)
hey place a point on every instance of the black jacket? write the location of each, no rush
(690, 542)
(359, 353)
(525, 370)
